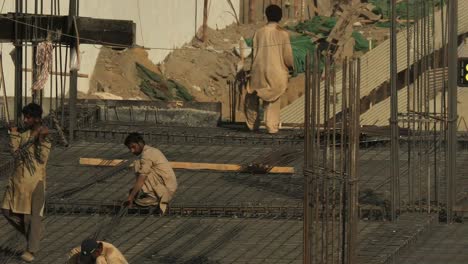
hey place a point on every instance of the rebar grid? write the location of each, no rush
(249, 200)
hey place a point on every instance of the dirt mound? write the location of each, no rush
(116, 73)
(205, 68)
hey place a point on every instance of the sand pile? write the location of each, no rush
(115, 74)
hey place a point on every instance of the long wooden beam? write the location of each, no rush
(109, 32)
(185, 165)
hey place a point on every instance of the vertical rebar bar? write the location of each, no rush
(325, 162)
(344, 132)
(354, 155)
(316, 145)
(333, 167)
(394, 113)
(307, 159)
(408, 102)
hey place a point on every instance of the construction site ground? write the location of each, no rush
(216, 217)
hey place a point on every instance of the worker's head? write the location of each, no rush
(135, 143)
(32, 114)
(90, 250)
(273, 13)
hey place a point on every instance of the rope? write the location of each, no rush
(44, 61)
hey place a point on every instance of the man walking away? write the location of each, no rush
(272, 59)
(23, 202)
(156, 182)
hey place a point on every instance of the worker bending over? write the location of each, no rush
(272, 58)
(92, 251)
(23, 201)
(156, 182)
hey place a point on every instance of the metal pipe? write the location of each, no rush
(394, 113)
(73, 74)
(452, 106)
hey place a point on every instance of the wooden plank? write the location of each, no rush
(205, 166)
(184, 165)
(100, 162)
(91, 30)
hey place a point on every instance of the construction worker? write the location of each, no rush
(99, 252)
(23, 202)
(156, 182)
(272, 59)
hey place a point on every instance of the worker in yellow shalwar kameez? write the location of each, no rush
(23, 202)
(272, 59)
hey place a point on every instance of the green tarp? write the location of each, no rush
(158, 88)
(300, 46)
(321, 26)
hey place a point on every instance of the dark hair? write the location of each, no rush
(274, 13)
(33, 110)
(134, 138)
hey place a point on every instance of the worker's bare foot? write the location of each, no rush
(162, 208)
(27, 256)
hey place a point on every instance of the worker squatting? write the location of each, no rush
(156, 183)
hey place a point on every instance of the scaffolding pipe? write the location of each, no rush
(452, 105)
(73, 11)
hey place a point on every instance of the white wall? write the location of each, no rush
(159, 24)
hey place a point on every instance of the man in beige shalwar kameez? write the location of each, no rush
(156, 182)
(23, 202)
(272, 59)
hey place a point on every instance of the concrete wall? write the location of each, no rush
(161, 24)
